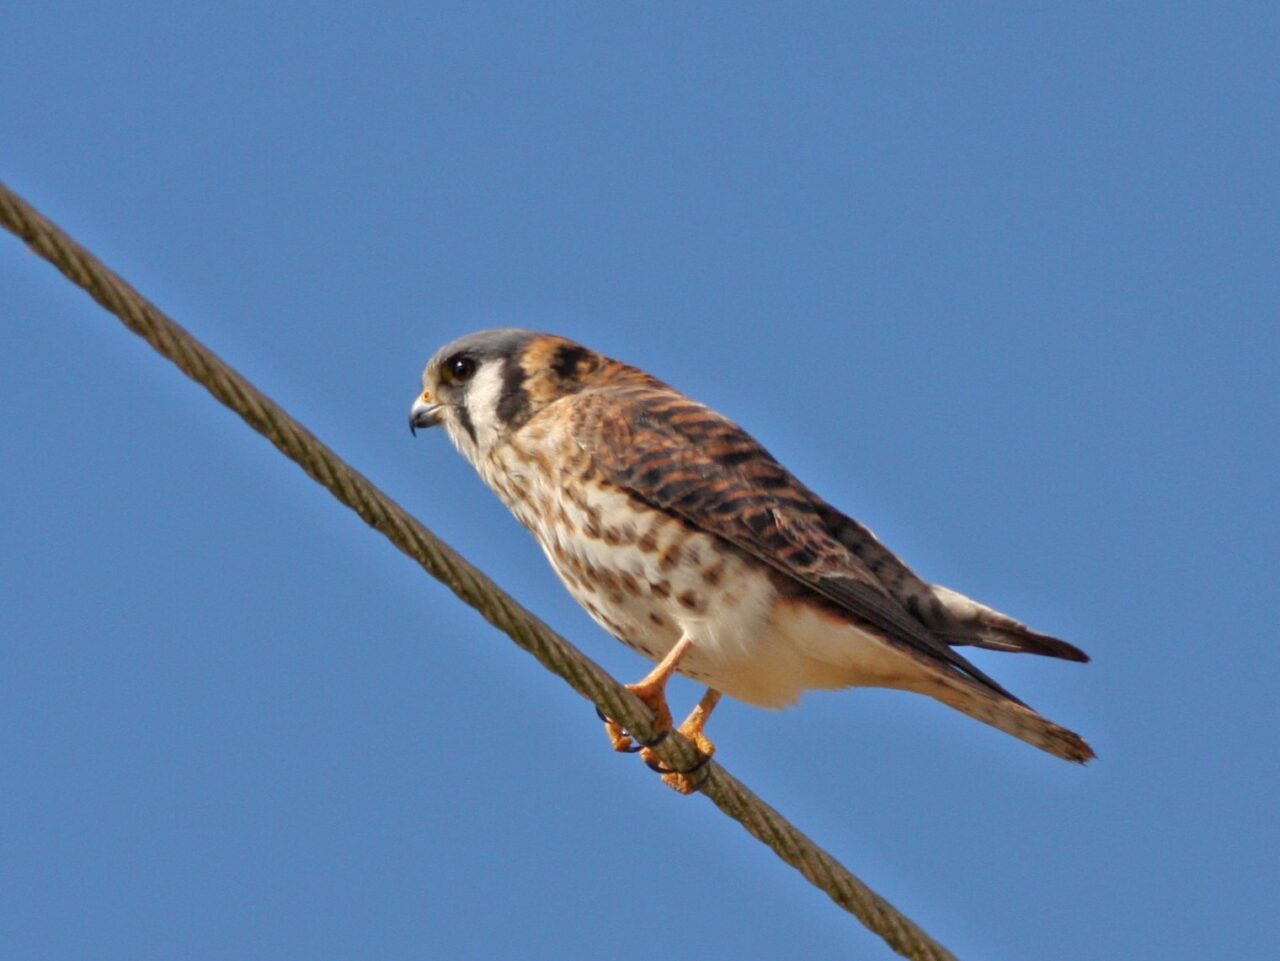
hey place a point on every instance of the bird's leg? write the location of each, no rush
(697, 720)
(652, 690)
(692, 728)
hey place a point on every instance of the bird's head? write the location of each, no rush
(484, 385)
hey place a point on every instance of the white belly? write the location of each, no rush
(648, 579)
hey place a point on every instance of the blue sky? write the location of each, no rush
(999, 280)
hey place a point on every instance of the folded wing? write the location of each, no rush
(686, 459)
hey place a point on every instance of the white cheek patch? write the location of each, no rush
(461, 439)
(484, 393)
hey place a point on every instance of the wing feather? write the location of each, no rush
(686, 459)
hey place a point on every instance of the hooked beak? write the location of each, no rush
(425, 412)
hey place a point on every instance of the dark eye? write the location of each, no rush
(459, 369)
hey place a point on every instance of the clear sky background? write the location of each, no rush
(1000, 280)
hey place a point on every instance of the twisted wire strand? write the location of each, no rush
(470, 584)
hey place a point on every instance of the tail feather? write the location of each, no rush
(1009, 716)
(983, 626)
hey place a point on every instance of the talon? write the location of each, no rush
(690, 779)
(657, 739)
(620, 739)
(652, 691)
(653, 764)
(684, 781)
(698, 765)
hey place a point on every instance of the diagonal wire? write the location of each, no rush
(470, 584)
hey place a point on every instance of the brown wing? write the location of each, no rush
(684, 458)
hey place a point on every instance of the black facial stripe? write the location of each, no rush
(567, 358)
(513, 406)
(464, 418)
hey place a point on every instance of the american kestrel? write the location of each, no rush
(688, 542)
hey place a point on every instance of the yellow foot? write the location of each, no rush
(686, 782)
(655, 698)
(619, 739)
(652, 690)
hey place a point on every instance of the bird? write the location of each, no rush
(685, 539)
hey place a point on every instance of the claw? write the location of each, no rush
(683, 781)
(622, 740)
(652, 690)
